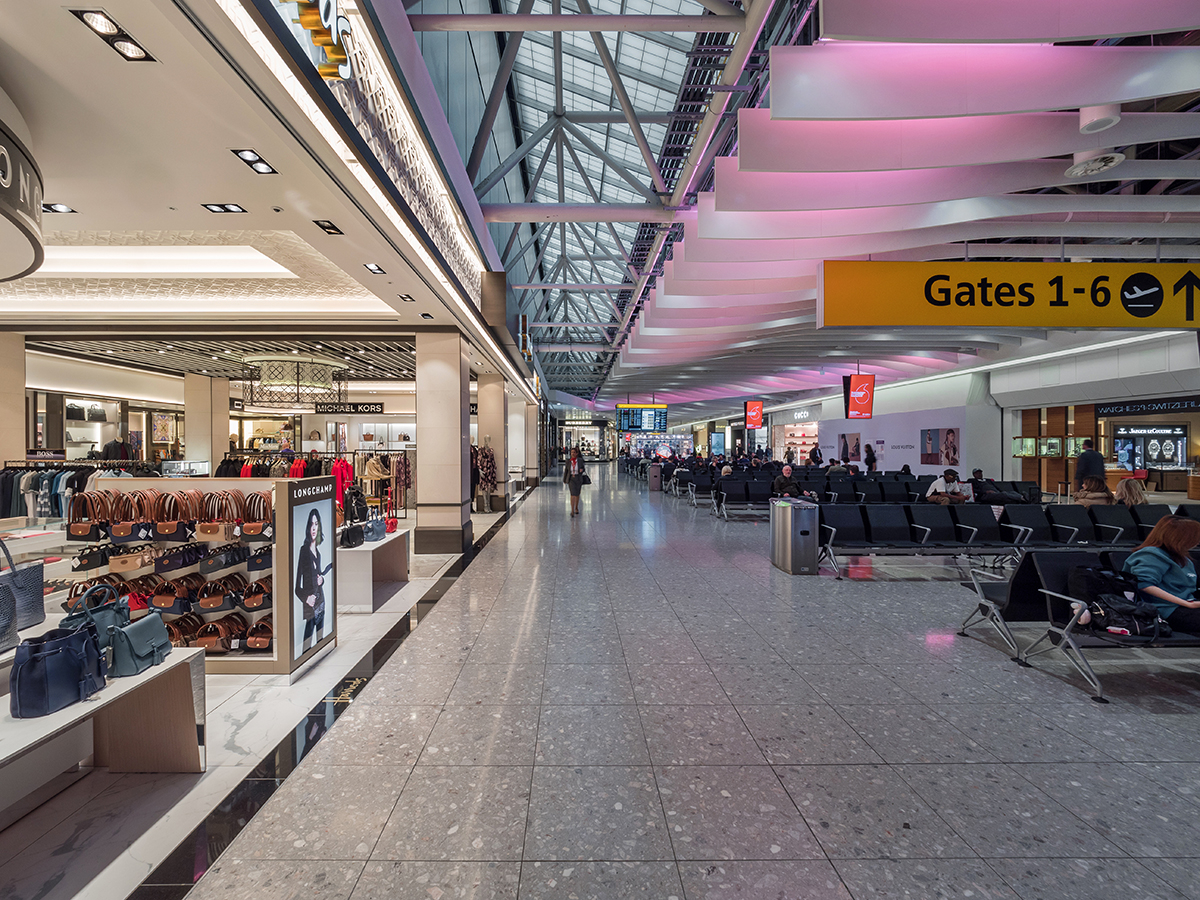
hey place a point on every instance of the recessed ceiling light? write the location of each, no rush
(108, 351)
(162, 351)
(374, 269)
(99, 23)
(362, 351)
(129, 49)
(56, 208)
(328, 227)
(224, 207)
(295, 351)
(255, 162)
(204, 371)
(407, 298)
(426, 315)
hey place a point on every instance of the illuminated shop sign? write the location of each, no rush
(328, 30)
(21, 205)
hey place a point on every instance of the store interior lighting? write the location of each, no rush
(328, 227)
(255, 162)
(224, 207)
(106, 28)
(220, 261)
(374, 269)
(56, 208)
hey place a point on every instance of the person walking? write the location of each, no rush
(869, 458)
(1088, 464)
(573, 476)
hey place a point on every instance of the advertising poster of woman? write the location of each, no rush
(313, 551)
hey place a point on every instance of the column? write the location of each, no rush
(12, 397)
(532, 446)
(443, 476)
(516, 443)
(205, 418)
(493, 431)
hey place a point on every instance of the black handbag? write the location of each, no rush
(352, 536)
(138, 646)
(101, 606)
(179, 558)
(96, 413)
(260, 561)
(354, 503)
(52, 671)
(93, 558)
(23, 585)
(76, 412)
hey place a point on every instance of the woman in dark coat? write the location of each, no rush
(869, 458)
(310, 579)
(573, 477)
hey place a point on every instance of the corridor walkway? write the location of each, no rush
(634, 704)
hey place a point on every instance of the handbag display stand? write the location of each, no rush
(282, 658)
(367, 574)
(152, 722)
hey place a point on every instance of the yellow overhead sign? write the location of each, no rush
(1004, 294)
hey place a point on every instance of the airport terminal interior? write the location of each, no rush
(599, 450)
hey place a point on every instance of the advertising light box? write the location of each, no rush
(754, 414)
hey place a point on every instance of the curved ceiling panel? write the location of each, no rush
(918, 81)
(1035, 21)
(745, 191)
(767, 145)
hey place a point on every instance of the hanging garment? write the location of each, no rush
(487, 469)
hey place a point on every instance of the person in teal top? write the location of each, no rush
(1165, 572)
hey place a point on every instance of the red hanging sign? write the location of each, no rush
(860, 396)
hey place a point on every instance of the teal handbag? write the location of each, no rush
(108, 611)
(138, 646)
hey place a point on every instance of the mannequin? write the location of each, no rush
(487, 472)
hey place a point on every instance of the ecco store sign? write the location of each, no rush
(20, 209)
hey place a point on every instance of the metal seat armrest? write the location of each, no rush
(862, 498)
(1074, 532)
(1024, 532)
(974, 531)
(1069, 627)
(928, 531)
(1117, 528)
(832, 533)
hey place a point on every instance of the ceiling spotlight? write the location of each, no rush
(56, 208)
(105, 27)
(255, 162)
(426, 315)
(224, 207)
(1093, 162)
(328, 227)
(374, 269)
(407, 298)
(108, 351)
(99, 23)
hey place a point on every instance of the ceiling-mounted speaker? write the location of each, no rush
(1098, 118)
(1093, 162)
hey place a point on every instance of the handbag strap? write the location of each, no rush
(8, 556)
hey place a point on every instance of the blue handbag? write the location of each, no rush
(24, 583)
(54, 670)
(374, 529)
(101, 606)
(138, 646)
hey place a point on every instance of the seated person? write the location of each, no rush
(1130, 492)
(838, 467)
(1094, 493)
(1165, 573)
(784, 485)
(906, 471)
(946, 491)
(986, 491)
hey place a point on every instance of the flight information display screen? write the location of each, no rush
(642, 417)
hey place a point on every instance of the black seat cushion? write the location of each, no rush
(1068, 516)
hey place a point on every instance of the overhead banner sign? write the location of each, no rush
(20, 209)
(1001, 294)
(858, 391)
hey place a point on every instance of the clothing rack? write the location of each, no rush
(79, 464)
(390, 489)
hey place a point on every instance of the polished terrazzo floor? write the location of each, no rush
(634, 704)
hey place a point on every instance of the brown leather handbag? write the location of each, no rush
(129, 521)
(171, 522)
(257, 526)
(88, 516)
(257, 597)
(131, 559)
(222, 512)
(218, 636)
(260, 634)
(221, 595)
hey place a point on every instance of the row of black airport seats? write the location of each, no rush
(1039, 591)
(835, 490)
(974, 528)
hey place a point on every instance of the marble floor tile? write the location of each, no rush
(698, 735)
(584, 685)
(660, 649)
(1000, 814)
(767, 683)
(595, 813)
(1181, 778)
(366, 735)
(762, 879)
(844, 685)
(323, 812)
(914, 734)
(597, 735)
(928, 879)
(1181, 874)
(806, 735)
(1095, 879)
(460, 880)
(1130, 738)
(422, 685)
(1017, 734)
(732, 812)
(1140, 817)
(244, 879)
(498, 684)
(604, 648)
(458, 812)
(483, 736)
(677, 684)
(868, 812)
(600, 881)
(937, 685)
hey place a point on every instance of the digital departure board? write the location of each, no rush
(642, 417)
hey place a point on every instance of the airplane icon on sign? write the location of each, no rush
(1137, 293)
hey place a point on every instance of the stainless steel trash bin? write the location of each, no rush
(654, 477)
(795, 536)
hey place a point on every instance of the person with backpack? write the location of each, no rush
(1165, 572)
